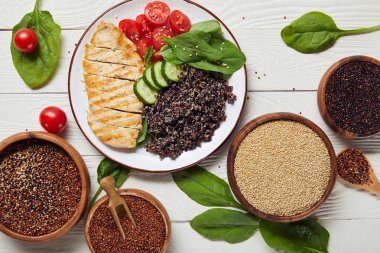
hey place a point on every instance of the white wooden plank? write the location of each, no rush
(343, 204)
(349, 236)
(271, 64)
(72, 14)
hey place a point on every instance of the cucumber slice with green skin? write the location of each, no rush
(158, 79)
(170, 71)
(148, 79)
(144, 92)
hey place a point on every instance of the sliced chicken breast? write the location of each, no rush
(112, 70)
(109, 36)
(115, 118)
(118, 56)
(117, 137)
(108, 85)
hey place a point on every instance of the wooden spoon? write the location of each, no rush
(117, 204)
(373, 186)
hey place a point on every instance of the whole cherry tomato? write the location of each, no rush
(53, 119)
(25, 40)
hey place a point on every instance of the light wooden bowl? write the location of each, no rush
(140, 194)
(322, 92)
(83, 174)
(241, 136)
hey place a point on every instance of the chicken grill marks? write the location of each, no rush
(187, 113)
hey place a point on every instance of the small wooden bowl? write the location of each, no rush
(241, 136)
(83, 174)
(322, 92)
(140, 194)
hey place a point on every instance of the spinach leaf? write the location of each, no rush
(227, 225)
(193, 47)
(306, 236)
(169, 55)
(204, 187)
(35, 68)
(315, 32)
(109, 168)
(232, 58)
(209, 26)
(144, 131)
(148, 56)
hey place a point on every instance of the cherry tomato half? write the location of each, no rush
(25, 40)
(179, 22)
(130, 29)
(157, 13)
(158, 33)
(143, 45)
(144, 25)
(53, 119)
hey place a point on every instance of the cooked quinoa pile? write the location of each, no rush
(188, 113)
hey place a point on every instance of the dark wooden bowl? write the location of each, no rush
(321, 97)
(137, 193)
(241, 136)
(83, 174)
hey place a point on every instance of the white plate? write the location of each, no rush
(139, 158)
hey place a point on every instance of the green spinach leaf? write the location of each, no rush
(193, 47)
(35, 68)
(144, 132)
(107, 168)
(227, 225)
(169, 55)
(204, 187)
(232, 58)
(148, 56)
(315, 32)
(306, 236)
(209, 26)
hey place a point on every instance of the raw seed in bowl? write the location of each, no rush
(40, 187)
(282, 168)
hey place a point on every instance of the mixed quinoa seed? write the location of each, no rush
(282, 168)
(187, 113)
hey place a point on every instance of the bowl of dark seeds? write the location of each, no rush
(44, 186)
(349, 97)
(281, 167)
(151, 234)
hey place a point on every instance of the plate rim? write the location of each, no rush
(133, 167)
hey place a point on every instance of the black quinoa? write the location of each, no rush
(188, 113)
(353, 97)
(40, 187)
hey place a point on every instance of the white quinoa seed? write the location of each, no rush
(282, 168)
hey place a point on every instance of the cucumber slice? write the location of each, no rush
(170, 71)
(144, 92)
(148, 79)
(158, 79)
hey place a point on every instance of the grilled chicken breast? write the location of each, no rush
(118, 56)
(118, 137)
(111, 64)
(109, 36)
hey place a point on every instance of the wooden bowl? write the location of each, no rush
(83, 174)
(241, 136)
(321, 96)
(140, 194)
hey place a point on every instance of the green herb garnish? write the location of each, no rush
(315, 32)
(148, 56)
(35, 68)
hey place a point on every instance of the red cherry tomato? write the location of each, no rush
(144, 25)
(143, 45)
(179, 22)
(157, 13)
(25, 40)
(53, 119)
(158, 33)
(156, 57)
(130, 29)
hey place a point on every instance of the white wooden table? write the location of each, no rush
(280, 79)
